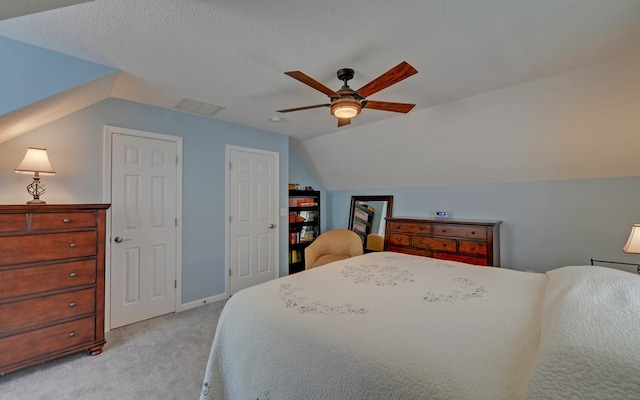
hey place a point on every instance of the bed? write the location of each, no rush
(394, 326)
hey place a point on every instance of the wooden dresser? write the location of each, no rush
(51, 282)
(473, 242)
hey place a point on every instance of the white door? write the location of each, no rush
(253, 217)
(143, 228)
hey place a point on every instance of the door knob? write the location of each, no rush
(272, 226)
(119, 239)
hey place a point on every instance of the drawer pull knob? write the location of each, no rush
(473, 247)
(473, 232)
(72, 334)
(444, 245)
(444, 231)
(66, 220)
(72, 304)
(421, 228)
(420, 241)
(72, 275)
(72, 245)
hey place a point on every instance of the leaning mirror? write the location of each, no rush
(367, 217)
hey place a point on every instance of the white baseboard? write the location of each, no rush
(202, 302)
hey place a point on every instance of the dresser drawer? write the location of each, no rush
(399, 240)
(24, 281)
(42, 343)
(471, 232)
(70, 220)
(32, 248)
(12, 222)
(434, 243)
(472, 248)
(409, 227)
(42, 310)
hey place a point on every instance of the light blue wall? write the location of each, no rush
(75, 147)
(545, 225)
(29, 74)
(299, 173)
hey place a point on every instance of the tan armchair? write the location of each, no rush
(333, 245)
(375, 242)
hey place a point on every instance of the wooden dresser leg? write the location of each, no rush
(94, 351)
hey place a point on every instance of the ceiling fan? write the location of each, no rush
(346, 103)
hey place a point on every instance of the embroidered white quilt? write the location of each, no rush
(394, 326)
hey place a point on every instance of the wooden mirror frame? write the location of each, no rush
(356, 199)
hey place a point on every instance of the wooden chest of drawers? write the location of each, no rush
(51, 282)
(473, 242)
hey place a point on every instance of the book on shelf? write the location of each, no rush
(302, 202)
(359, 227)
(295, 256)
(363, 216)
(294, 237)
(306, 236)
(294, 217)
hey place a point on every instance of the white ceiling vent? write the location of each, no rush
(198, 107)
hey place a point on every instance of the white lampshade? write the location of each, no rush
(633, 244)
(35, 161)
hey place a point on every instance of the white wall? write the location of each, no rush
(576, 125)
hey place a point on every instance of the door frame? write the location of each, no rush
(227, 229)
(108, 132)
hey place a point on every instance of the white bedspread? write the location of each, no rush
(590, 343)
(392, 326)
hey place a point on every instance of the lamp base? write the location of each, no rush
(36, 189)
(36, 201)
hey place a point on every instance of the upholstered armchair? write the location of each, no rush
(333, 245)
(375, 242)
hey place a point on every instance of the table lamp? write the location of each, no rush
(36, 163)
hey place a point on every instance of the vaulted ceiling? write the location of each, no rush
(12, 9)
(232, 53)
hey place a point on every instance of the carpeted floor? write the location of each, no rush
(161, 358)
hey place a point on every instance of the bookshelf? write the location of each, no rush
(304, 225)
(362, 220)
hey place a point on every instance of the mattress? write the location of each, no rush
(394, 326)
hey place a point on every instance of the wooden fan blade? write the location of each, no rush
(393, 76)
(303, 108)
(343, 121)
(307, 80)
(389, 106)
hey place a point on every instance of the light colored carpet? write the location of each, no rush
(161, 358)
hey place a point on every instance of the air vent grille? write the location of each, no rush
(198, 107)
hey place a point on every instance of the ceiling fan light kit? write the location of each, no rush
(348, 103)
(345, 108)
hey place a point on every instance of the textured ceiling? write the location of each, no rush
(11, 9)
(233, 53)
